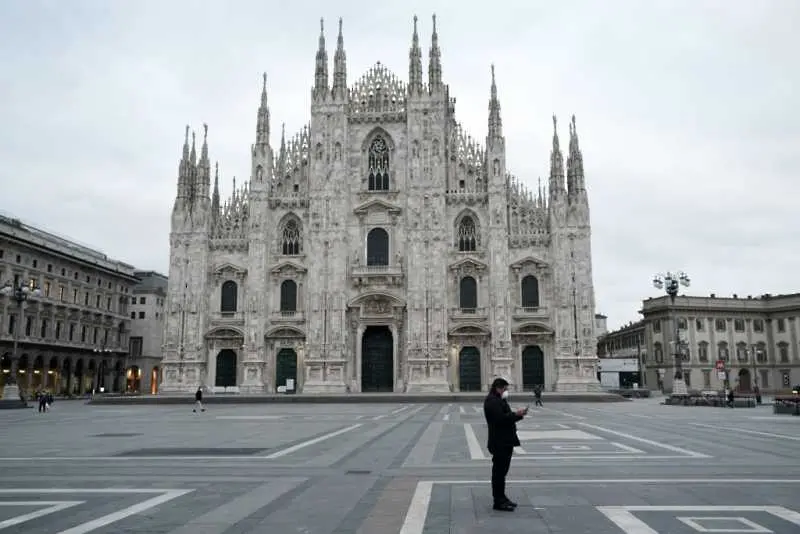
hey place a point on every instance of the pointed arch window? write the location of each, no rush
(229, 295)
(290, 242)
(530, 292)
(468, 294)
(467, 235)
(288, 296)
(377, 247)
(378, 159)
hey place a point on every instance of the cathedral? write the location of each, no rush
(380, 249)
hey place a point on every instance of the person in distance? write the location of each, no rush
(502, 423)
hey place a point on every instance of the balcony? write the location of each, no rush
(523, 313)
(287, 317)
(366, 275)
(469, 314)
(227, 318)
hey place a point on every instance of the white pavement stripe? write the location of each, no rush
(446, 417)
(221, 519)
(626, 521)
(52, 507)
(414, 522)
(478, 409)
(721, 481)
(126, 512)
(249, 417)
(393, 412)
(650, 442)
(461, 409)
(753, 432)
(424, 450)
(565, 414)
(475, 451)
(303, 445)
(627, 448)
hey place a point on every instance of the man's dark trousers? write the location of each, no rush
(501, 462)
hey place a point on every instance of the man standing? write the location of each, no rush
(502, 423)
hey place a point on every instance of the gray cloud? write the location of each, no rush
(687, 115)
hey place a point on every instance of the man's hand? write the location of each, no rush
(522, 411)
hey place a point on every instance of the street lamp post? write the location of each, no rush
(19, 293)
(671, 282)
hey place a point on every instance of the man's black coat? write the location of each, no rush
(502, 423)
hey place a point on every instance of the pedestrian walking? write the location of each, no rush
(537, 392)
(502, 424)
(198, 400)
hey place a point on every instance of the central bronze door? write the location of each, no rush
(286, 367)
(377, 360)
(469, 369)
(532, 367)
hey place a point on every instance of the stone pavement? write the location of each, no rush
(636, 468)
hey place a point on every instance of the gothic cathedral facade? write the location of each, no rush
(380, 249)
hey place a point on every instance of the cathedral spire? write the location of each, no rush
(495, 122)
(321, 70)
(282, 152)
(215, 194)
(556, 164)
(575, 161)
(575, 180)
(203, 182)
(415, 63)
(262, 121)
(183, 171)
(339, 67)
(435, 62)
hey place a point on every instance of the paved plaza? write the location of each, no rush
(635, 468)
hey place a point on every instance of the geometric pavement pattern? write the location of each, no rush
(636, 467)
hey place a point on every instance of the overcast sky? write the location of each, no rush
(687, 113)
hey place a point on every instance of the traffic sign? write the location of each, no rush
(720, 365)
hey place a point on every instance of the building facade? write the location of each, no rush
(757, 339)
(72, 339)
(380, 249)
(147, 332)
(626, 343)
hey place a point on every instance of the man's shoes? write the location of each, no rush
(511, 503)
(504, 507)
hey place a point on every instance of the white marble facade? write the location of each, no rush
(380, 249)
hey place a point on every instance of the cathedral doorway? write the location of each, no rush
(745, 385)
(226, 369)
(377, 360)
(532, 367)
(286, 367)
(469, 369)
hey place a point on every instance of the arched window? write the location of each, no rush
(377, 247)
(468, 294)
(467, 235)
(378, 160)
(530, 292)
(290, 240)
(288, 296)
(228, 297)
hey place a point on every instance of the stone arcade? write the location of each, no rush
(380, 249)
